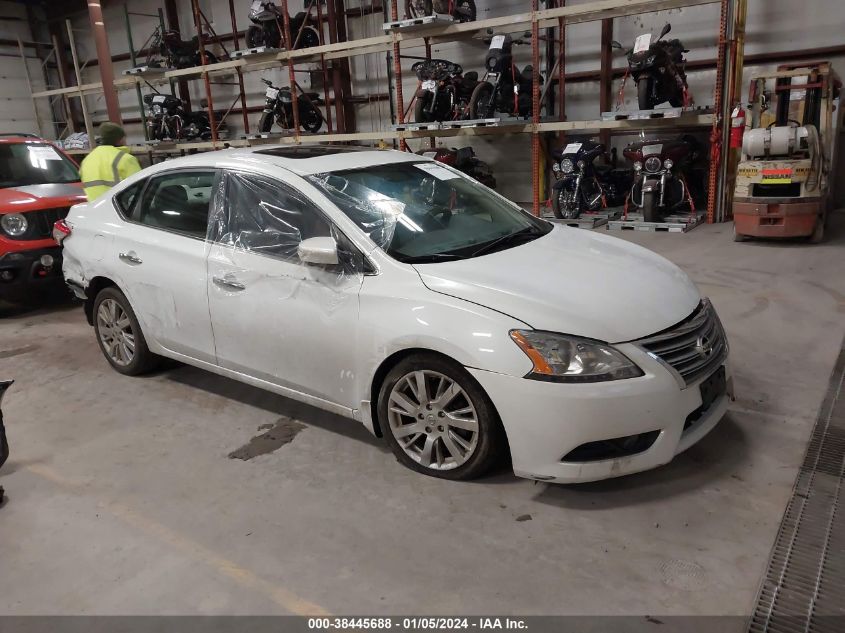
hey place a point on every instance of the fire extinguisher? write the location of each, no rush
(737, 127)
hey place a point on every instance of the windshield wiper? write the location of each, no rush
(428, 258)
(506, 239)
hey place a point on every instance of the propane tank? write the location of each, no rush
(782, 140)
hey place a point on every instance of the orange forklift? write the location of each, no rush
(784, 184)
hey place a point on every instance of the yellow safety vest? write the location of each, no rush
(104, 167)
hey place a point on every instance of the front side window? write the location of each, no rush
(266, 217)
(177, 201)
(24, 164)
(423, 212)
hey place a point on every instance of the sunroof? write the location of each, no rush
(312, 151)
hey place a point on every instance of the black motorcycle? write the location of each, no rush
(278, 108)
(581, 185)
(444, 91)
(659, 69)
(463, 159)
(461, 10)
(168, 120)
(176, 52)
(268, 27)
(504, 88)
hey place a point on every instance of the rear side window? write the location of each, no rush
(266, 217)
(127, 198)
(177, 201)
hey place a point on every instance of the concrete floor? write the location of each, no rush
(122, 498)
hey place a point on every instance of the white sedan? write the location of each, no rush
(400, 293)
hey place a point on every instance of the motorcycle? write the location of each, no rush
(176, 52)
(463, 159)
(461, 10)
(169, 121)
(268, 27)
(504, 88)
(278, 108)
(444, 91)
(581, 185)
(660, 182)
(659, 69)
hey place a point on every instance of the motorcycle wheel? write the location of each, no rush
(312, 119)
(420, 105)
(465, 11)
(308, 38)
(650, 212)
(265, 124)
(255, 37)
(418, 8)
(564, 205)
(644, 93)
(480, 104)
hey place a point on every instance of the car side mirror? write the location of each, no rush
(318, 251)
(615, 44)
(666, 29)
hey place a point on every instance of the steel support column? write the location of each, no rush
(101, 41)
(606, 75)
(535, 107)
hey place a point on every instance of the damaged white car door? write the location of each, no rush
(159, 255)
(275, 317)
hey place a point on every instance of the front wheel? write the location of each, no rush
(255, 37)
(265, 123)
(119, 334)
(418, 8)
(421, 114)
(465, 11)
(438, 420)
(650, 212)
(481, 101)
(565, 205)
(644, 93)
(308, 37)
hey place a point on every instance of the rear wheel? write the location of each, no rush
(308, 38)
(644, 93)
(739, 237)
(817, 235)
(650, 212)
(310, 117)
(465, 10)
(438, 420)
(119, 334)
(481, 102)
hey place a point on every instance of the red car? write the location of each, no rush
(38, 185)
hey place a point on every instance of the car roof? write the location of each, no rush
(15, 138)
(301, 160)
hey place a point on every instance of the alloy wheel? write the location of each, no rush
(115, 331)
(433, 420)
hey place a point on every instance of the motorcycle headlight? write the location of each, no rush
(567, 166)
(555, 167)
(653, 164)
(638, 166)
(14, 224)
(668, 164)
(560, 358)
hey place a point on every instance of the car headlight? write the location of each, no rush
(560, 358)
(668, 164)
(14, 224)
(567, 166)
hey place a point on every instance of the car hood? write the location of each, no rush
(575, 282)
(34, 197)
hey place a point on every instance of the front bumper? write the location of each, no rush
(546, 421)
(22, 272)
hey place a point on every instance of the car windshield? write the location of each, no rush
(424, 212)
(23, 164)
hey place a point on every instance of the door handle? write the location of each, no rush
(130, 258)
(228, 283)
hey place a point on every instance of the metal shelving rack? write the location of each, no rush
(557, 16)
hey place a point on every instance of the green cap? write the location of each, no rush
(111, 133)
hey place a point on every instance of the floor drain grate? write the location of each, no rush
(804, 587)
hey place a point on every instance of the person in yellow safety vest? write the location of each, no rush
(107, 164)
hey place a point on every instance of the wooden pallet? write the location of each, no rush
(587, 220)
(426, 21)
(255, 50)
(677, 223)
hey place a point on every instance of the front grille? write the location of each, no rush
(694, 347)
(40, 223)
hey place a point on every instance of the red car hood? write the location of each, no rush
(35, 197)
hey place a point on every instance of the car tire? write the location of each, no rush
(119, 334)
(461, 422)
